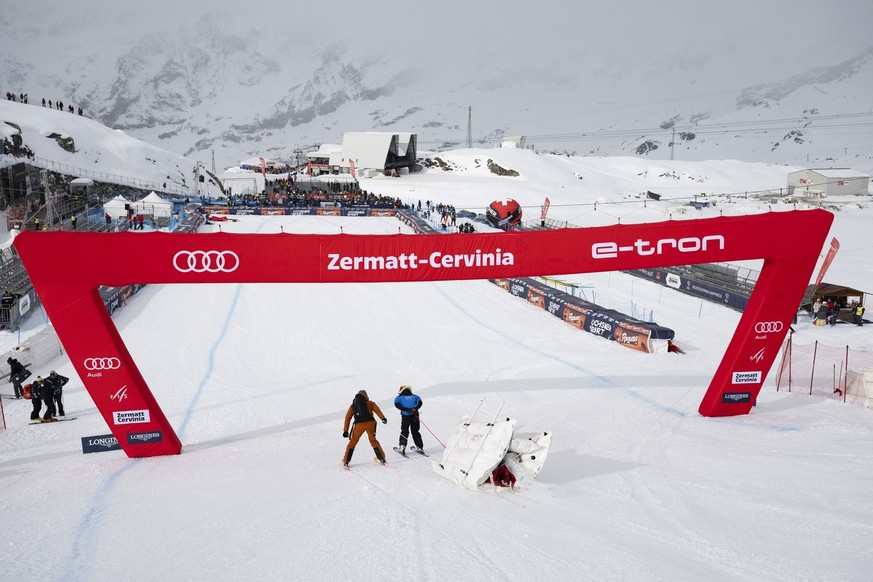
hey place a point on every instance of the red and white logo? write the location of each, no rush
(206, 261)
(102, 363)
(120, 395)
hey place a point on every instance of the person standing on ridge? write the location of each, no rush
(408, 404)
(363, 410)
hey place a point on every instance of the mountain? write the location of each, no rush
(198, 81)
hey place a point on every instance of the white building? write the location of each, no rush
(375, 151)
(516, 141)
(828, 182)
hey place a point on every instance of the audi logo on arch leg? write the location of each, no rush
(102, 363)
(768, 326)
(205, 261)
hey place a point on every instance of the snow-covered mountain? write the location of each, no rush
(276, 81)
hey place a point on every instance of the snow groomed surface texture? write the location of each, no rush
(789, 243)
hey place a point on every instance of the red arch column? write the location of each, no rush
(789, 243)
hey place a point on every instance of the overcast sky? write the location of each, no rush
(612, 65)
(780, 33)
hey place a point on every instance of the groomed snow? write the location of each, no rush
(256, 379)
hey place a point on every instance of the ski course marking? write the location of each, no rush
(426, 522)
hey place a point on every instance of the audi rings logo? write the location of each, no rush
(768, 327)
(206, 261)
(102, 363)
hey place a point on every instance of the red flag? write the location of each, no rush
(263, 167)
(832, 252)
(545, 209)
(352, 168)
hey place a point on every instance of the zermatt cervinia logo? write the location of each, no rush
(411, 261)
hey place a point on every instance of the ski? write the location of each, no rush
(375, 460)
(398, 451)
(10, 397)
(64, 419)
(419, 451)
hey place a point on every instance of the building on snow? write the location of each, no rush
(828, 182)
(372, 152)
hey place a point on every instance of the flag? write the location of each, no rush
(352, 168)
(545, 209)
(832, 252)
(263, 168)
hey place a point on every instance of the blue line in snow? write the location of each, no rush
(81, 556)
(210, 367)
(572, 365)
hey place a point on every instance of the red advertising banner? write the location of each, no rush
(789, 243)
(829, 258)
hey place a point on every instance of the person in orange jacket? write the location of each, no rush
(363, 410)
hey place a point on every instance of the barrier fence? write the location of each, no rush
(834, 372)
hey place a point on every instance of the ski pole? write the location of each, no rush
(490, 425)
(431, 432)
(469, 420)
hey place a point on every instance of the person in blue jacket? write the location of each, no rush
(408, 404)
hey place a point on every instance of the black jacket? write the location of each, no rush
(54, 386)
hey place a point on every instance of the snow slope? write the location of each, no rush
(256, 380)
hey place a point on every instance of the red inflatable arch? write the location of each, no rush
(789, 243)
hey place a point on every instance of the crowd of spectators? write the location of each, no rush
(280, 193)
(6, 301)
(57, 104)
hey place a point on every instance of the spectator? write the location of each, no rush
(858, 313)
(46, 393)
(17, 374)
(35, 399)
(55, 390)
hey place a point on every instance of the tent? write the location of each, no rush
(117, 207)
(154, 205)
(81, 183)
(842, 294)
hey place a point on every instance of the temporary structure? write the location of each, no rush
(154, 205)
(477, 450)
(117, 207)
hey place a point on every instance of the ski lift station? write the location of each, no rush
(373, 152)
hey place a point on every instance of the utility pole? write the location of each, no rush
(469, 127)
